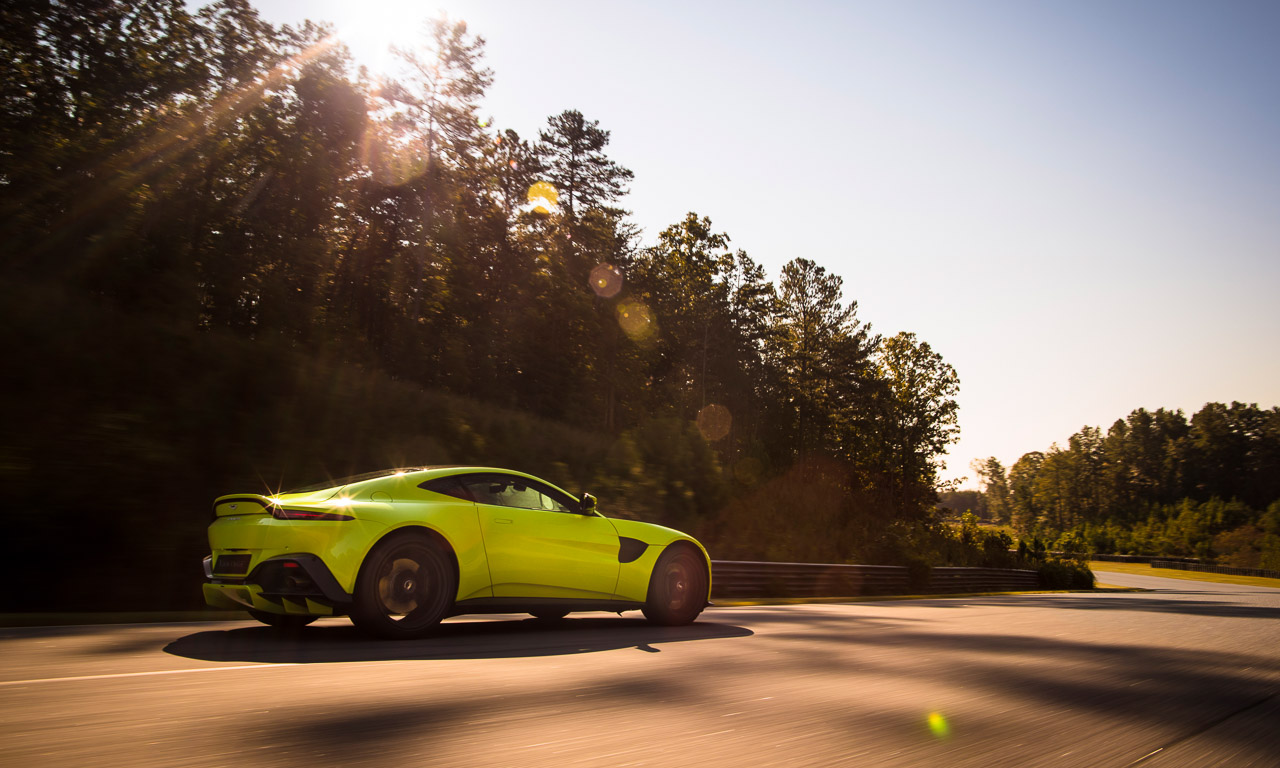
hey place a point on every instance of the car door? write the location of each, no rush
(537, 546)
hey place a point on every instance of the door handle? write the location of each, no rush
(501, 520)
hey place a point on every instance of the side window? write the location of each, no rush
(553, 500)
(520, 494)
(449, 486)
(517, 492)
(484, 489)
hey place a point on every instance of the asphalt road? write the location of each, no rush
(1187, 675)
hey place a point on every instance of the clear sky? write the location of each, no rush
(1076, 203)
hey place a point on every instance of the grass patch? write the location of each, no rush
(1142, 569)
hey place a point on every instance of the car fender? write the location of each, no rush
(465, 549)
(633, 576)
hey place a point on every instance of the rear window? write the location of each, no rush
(449, 486)
(354, 479)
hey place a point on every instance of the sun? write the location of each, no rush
(370, 28)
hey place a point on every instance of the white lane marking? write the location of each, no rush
(144, 674)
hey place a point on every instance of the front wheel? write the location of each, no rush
(677, 588)
(406, 586)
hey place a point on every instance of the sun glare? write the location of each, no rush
(372, 27)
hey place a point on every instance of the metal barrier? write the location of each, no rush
(742, 578)
(982, 580)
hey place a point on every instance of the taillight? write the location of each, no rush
(280, 513)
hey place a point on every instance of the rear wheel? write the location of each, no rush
(677, 588)
(406, 586)
(282, 621)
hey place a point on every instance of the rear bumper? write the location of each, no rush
(289, 584)
(241, 596)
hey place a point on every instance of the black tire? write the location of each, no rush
(407, 584)
(549, 614)
(282, 621)
(677, 588)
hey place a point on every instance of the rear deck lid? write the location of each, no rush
(242, 504)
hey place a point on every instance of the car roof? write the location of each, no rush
(418, 475)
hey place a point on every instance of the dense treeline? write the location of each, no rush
(232, 261)
(1153, 484)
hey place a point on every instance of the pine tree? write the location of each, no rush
(572, 150)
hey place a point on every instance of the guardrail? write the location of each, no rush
(982, 580)
(1225, 569)
(744, 578)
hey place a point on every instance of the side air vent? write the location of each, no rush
(630, 550)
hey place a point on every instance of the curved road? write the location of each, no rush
(1185, 675)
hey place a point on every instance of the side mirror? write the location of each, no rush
(588, 504)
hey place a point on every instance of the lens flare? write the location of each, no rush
(170, 145)
(543, 197)
(606, 280)
(938, 725)
(635, 319)
(714, 422)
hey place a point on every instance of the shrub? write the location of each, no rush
(1065, 574)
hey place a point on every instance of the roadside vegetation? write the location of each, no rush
(231, 262)
(1154, 484)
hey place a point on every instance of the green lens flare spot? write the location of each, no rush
(938, 725)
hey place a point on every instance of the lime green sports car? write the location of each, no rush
(399, 550)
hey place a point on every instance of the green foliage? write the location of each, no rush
(957, 503)
(572, 149)
(1065, 574)
(821, 354)
(914, 420)
(996, 500)
(1155, 484)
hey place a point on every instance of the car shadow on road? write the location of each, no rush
(328, 643)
